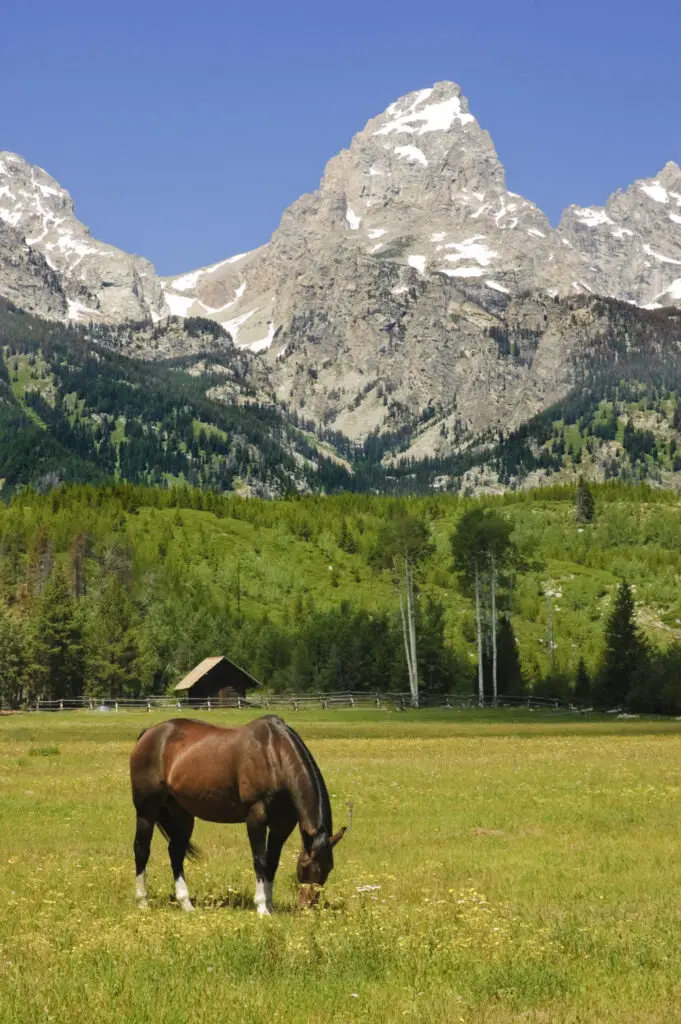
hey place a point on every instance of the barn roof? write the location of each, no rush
(207, 666)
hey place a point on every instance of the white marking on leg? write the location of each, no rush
(263, 896)
(141, 890)
(182, 893)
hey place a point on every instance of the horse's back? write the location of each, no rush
(183, 756)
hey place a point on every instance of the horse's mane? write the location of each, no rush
(308, 760)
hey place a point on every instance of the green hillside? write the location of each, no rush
(73, 409)
(291, 588)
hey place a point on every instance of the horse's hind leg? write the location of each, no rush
(142, 846)
(178, 825)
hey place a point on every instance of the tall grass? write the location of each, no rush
(496, 871)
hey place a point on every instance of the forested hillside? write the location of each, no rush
(119, 590)
(73, 409)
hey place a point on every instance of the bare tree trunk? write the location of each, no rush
(405, 636)
(409, 631)
(411, 616)
(549, 629)
(494, 627)
(478, 619)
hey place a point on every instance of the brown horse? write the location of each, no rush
(261, 774)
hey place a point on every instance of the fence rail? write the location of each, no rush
(298, 702)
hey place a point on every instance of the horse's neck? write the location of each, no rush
(308, 790)
(308, 804)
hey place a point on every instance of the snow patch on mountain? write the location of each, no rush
(412, 153)
(434, 117)
(655, 191)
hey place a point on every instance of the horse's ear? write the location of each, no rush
(338, 836)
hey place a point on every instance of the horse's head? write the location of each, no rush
(315, 863)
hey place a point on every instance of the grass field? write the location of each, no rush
(524, 869)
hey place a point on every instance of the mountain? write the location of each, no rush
(632, 247)
(376, 300)
(97, 281)
(423, 188)
(73, 407)
(412, 298)
(101, 402)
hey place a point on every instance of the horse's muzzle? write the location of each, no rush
(309, 896)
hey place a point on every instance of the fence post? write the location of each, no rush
(238, 703)
(378, 701)
(116, 707)
(352, 701)
(61, 705)
(148, 705)
(208, 704)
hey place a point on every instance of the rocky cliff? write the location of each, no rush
(412, 291)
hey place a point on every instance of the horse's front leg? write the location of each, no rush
(256, 823)
(278, 834)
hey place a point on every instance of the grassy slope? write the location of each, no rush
(194, 558)
(524, 875)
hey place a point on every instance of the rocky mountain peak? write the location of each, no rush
(421, 190)
(631, 247)
(99, 281)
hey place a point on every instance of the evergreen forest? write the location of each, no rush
(118, 590)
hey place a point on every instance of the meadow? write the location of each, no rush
(501, 867)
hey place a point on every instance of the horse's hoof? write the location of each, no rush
(188, 906)
(264, 911)
(142, 905)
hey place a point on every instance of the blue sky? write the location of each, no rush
(184, 130)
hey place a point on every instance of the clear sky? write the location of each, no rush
(183, 130)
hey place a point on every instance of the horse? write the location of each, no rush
(261, 774)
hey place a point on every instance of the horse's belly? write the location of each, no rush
(222, 807)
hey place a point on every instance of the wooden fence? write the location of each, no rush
(299, 702)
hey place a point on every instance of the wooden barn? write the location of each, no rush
(218, 680)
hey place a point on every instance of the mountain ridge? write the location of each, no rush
(378, 304)
(104, 283)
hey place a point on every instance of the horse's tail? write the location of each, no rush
(192, 851)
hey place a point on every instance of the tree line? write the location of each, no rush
(119, 590)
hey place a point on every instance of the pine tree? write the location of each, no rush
(13, 656)
(57, 653)
(346, 541)
(40, 562)
(511, 682)
(77, 563)
(584, 502)
(625, 655)
(112, 645)
(583, 690)
(436, 664)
